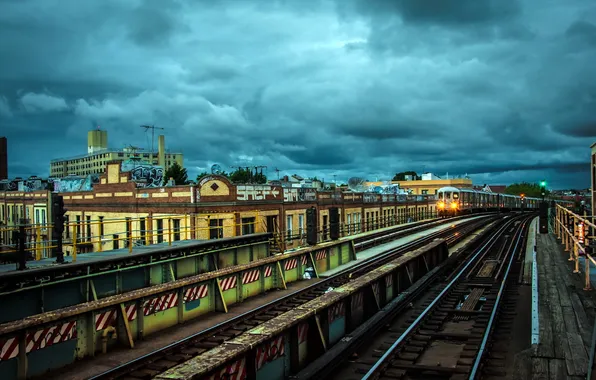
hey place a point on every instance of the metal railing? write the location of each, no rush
(99, 235)
(576, 233)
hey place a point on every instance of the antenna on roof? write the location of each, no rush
(148, 127)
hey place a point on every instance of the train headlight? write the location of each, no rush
(441, 204)
(454, 205)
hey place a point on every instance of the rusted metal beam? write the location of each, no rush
(203, 364)
(134, 295)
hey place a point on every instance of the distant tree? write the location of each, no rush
(178, 173)
(247, 176)
(528, 189)
(204, 174)
(402, 176)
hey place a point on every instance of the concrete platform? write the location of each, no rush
(90, 367)
(370, 253)
(565, 315)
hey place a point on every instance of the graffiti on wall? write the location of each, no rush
(8, 185)
(300, 195)
(69, 184)
(147, 176)
(369, 197)
(256, 192)
(30, 185)
(143, 173)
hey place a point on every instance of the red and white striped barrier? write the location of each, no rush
(161, 303)
(302, 332)
(268, 271)
(336, 311)
(234, 371)
(321, 255)
(250, 276)
(105, 319)
(389, 280)
(195, 293)
(304, 259)
(291, 264)
(131, 312)
(9, 348)
(270, 351)
(228, 283)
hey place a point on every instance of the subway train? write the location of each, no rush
(452, 201)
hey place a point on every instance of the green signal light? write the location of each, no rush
(543, 183)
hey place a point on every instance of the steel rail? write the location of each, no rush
(365, 266)
(495, 309)
(482, 251)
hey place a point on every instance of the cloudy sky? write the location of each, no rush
(504, 90)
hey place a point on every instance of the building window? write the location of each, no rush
(159, 231)
(88, 228)
(143, 227)
(289, 227)
(301, 224)
(78, 227)
(37, 218)
(215, 228)
(176, 229)
(248, 226)
(66, 226)
(349, 223)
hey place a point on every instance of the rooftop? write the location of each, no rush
(110, 150)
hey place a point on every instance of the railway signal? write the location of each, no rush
(59, 217)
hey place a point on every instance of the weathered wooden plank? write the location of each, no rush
(522, 365)
(558, 322)
(557, 369)
(545, 347)
(585, 327)
(579, 355)
(539, 368)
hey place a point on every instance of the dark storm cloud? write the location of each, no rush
(500, 89)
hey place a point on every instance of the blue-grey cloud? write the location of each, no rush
(500, 89)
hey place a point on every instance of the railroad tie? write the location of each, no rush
(470, 303)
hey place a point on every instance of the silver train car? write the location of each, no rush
(452, 201)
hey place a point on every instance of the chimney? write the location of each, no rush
(161, 151)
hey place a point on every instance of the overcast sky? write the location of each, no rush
(503, 90)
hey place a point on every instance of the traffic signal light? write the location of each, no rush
(59, 217)
(59, 214)
(543, 183)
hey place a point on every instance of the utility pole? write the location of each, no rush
(277, 171)
(153, 128)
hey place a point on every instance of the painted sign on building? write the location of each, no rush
(256, 193)
(369, 197)
(68, 184)
(300, 195)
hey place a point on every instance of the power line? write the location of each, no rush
(153, 128)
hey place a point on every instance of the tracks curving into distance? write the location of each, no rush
(148, 366)
(450, 337)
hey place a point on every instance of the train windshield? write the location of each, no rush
(455, 195)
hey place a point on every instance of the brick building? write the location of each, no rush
(118, 212)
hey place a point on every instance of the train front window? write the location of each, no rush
(455, 195)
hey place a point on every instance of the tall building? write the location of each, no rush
(3, 158)
(98, 155)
